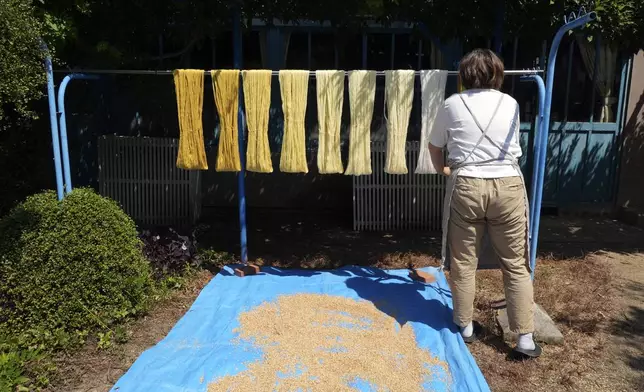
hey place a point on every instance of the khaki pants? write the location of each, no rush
(497, 205)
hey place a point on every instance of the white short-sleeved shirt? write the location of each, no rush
(455, 129)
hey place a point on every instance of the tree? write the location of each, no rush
(620, 22)
(24, 27)
(20, 57)
(126, 33)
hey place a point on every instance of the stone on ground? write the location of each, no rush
(545, 329)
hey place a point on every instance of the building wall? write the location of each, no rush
(580, 162)
(631, 182)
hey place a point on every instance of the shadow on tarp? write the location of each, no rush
(395, 295)
(201, 348)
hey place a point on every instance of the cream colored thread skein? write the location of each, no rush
(362, 94)
(399, 94)
(433, 99)
(330, 97)
(294, 90)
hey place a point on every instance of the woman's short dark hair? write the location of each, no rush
(481, 68)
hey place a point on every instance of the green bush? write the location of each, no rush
(68, 268)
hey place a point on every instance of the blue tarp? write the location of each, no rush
(201, 348)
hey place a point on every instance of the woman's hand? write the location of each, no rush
(447, 171)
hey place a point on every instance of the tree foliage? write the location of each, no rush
(183, 24)
(23, 27)
(20, 56)
(618, 21)
(113, 33)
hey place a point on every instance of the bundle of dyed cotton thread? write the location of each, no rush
(399, 91)
(294, 87)
(225, 84)
(189, 91)
(257, 98)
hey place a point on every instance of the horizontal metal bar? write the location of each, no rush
(117, 72)
(275, 73)
(572, 126)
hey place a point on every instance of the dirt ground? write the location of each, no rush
(596, 303)
(590, 279)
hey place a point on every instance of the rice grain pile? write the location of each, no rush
(313, 342)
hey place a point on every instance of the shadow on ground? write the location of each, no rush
(292, 240)
(327, 241)
(630, 327)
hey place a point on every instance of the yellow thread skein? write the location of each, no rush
(294, 89)
(189, 91)
(257, 97)
(225, 84)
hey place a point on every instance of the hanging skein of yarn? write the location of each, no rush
(362, 93)
(330, 97)
(399, 95)
(294, 90)
(433, 99)
(257, 98)
(225, 84)
(189, 87)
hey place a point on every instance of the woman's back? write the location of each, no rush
(459, 128)
(484, 195)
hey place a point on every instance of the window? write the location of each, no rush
(349, 51)
(298, 51)
(201, 56)
(406, 51)
(472, 43)
(522, 53)
(573, 93)
(323, 51)
(223, 56)
(379, 51)
(252, 51)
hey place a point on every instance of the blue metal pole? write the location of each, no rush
(545, 125)
(538, 146)
(63, 125)
(541, 90)
(53, 121)
(237, 54)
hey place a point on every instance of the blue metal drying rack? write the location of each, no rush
(574, 21)
(542, 125)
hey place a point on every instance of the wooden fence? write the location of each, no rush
(140, 174)
(397, 202)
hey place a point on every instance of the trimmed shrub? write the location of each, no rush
(68, 268)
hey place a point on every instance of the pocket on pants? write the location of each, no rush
(466, 199)
(466, 184)
(510, 184)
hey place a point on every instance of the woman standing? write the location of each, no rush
(479, 128)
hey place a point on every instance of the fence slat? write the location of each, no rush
(140, 174)
(385, 202)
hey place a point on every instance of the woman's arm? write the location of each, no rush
(438, 139)
(438, 159)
